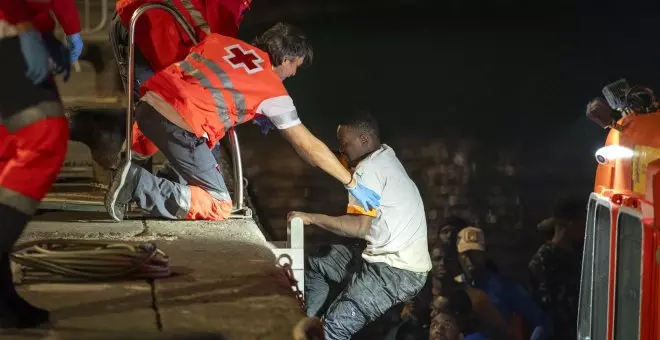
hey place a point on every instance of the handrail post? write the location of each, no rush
(238, 169)
(131, 61)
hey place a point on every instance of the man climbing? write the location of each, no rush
(186, 109)
(393, 267)
(33, 141)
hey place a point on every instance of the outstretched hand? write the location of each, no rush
(368, 198)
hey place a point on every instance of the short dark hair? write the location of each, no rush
(363, 121)
(284, 41)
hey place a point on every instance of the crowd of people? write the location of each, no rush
(467, 297)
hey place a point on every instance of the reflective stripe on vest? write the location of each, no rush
(33, 114)
(239, 99)
(216, 93)
(16, 200)
(218, 99)
(197, 17)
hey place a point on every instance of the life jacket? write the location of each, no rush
(220, 84)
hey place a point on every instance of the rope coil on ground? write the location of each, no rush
(87, 260)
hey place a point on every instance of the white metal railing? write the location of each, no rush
(86, 16)
(292, 252)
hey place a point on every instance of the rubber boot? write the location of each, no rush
(15, 312)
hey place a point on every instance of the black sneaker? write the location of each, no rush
(120, 193)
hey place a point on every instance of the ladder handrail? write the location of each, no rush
(233, 137)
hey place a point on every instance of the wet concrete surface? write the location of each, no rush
(224, 284)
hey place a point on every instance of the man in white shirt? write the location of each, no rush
(393, 267)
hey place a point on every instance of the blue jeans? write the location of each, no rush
(368, 289)
(190, 159)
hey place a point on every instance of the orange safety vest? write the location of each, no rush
(220, 84)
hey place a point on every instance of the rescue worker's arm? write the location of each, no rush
(347, 225)
(317, 153)
(67, 15)
(282, 113)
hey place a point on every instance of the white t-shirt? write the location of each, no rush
(398, 230)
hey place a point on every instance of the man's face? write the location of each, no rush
(352, 144)
(443, 263)
(473, 263)
(444, 327)
(288, 68)
(445, 235)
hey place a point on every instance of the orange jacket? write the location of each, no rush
(222, 83)
(160, 38)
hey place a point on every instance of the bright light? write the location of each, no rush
(611, 153)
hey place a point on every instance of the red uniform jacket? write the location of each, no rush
(14, 11)
(65, 11)
(160, 38)
(38, 13)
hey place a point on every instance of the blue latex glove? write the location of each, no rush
(75, 43)
(264, 123)
(368, 198)
(59, 54)
(35, 55)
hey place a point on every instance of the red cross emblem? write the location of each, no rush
(249, 60)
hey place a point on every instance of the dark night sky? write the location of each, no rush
(507, 73)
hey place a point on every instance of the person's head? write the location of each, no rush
(444, 263)
(568, 219)
(358, 136)
(471, 247)
(448, 231)
(287, 47)
(450, 316)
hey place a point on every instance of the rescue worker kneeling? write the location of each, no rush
(393, 267)
(187, 108)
